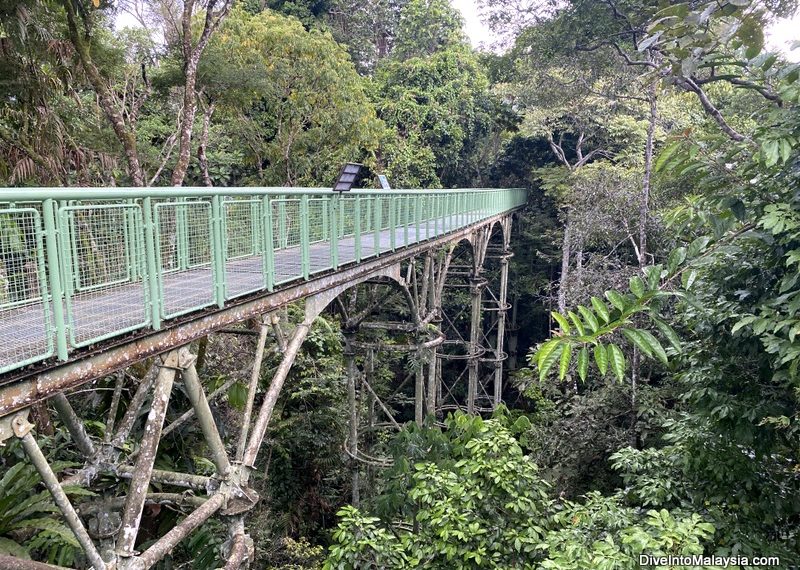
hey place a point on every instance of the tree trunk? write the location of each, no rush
(644, 206)
(125, 134)
(565, 258)
(201, 147)
(191, 59)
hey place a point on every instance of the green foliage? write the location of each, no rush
(433, 94)
(294, 99)
(484, 505)
(30, 522)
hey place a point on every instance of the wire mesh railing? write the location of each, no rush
(81, 265)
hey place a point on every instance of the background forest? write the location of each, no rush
(655, 282)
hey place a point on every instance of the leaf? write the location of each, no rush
(648, 41)
(545, 350)
(654, 344)
(637, 286)
(743, 322)
(50, 525)
(636, 339)
(577, 322)
(668, 333)
(616, 299)
(11, 548)
(688, 278)
(96, 3)
(697, 246)
(583, 363)
(653, 274)
(546, 362)
(601, 358)
(566, 355)
(237, 395)
(617, 361)
(600, 308)
(562, 322)
(676, 257)
(665, 155)
(590, 318)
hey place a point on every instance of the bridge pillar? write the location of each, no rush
(477, 284)
(502, 310)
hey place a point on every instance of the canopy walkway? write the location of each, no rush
(93, 280)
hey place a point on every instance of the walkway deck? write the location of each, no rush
(25, 330)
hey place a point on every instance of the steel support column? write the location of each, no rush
(197, 397)
(271, 397)
(22, 429)
(137, 490)
(501, 328)
(475, 329)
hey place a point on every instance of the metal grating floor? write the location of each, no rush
(112, 311)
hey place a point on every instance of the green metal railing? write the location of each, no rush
(80, 265)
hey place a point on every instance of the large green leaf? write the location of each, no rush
(576, 320)
(601, 358)
(548, 358)
(637, 340)
(617, 361)
(600, 308)
(637, 286)
(562, 322)
(11, 548)
(566, 355)
(589, 317)
(583, 363)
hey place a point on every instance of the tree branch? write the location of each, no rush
(689, 84)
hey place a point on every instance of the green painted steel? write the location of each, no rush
(80, 265)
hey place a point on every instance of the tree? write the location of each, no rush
(478, 501)
(434, 95)
(298, 106)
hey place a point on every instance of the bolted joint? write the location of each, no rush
(21, 425)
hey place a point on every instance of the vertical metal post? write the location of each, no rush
(417, 214)
(283, 235)
(357, 227)
(51, 244)
(305, 245)
(255, 228)
(501, 329)
(134, 255)
(64, 249)
(325, 217)
(197, 397)
(137, 490)
(474, 341)
(218, 249)
(393, 202)
(333, 235)
(182, 236)
(151, 259)
(435, 210)
(269, 244)
(377, 204)
(22, 429)
(406, 217)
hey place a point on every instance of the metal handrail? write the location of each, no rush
(131, 258)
